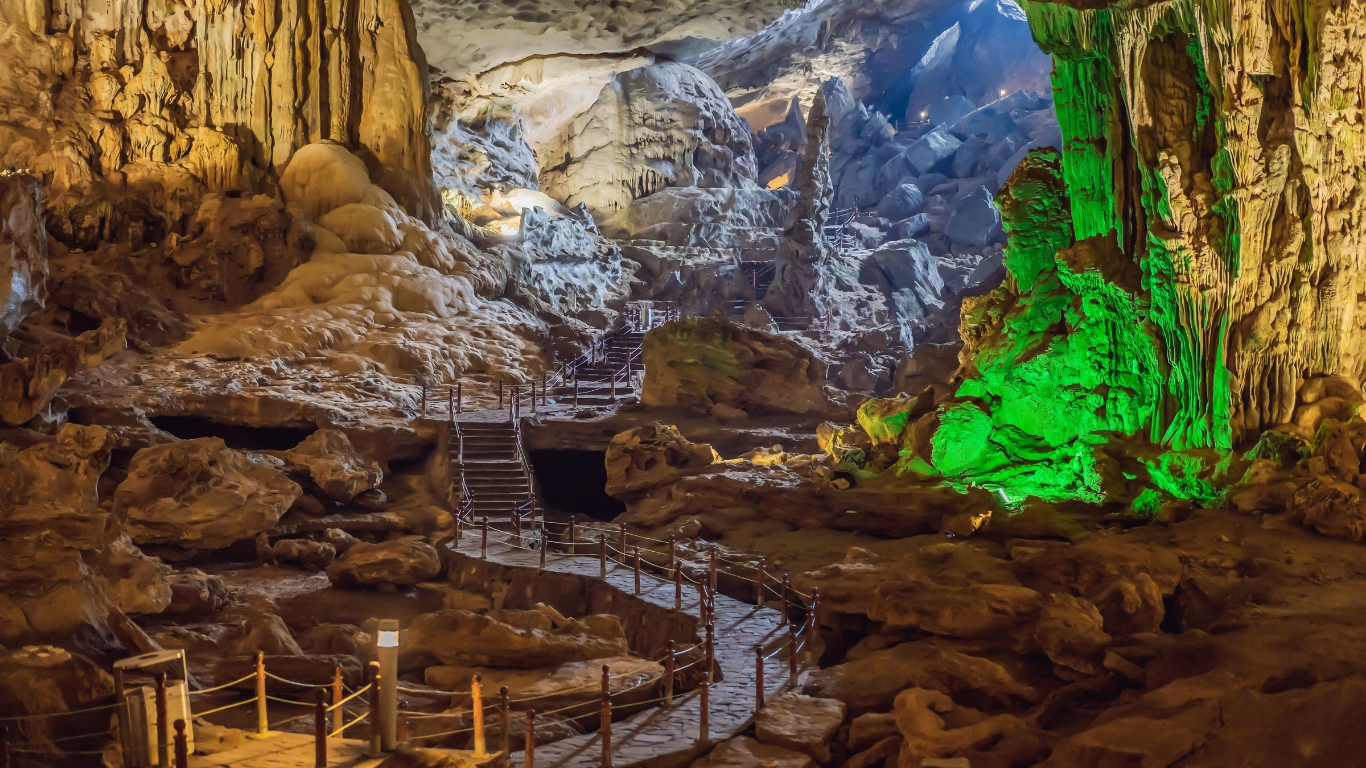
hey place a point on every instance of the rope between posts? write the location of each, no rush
(287, 701)
(220, 709)
(59, 714)
(224, 685)
(348, 698)
(339, 731)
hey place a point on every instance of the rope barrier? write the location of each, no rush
(252, 700)
(342, 729)
(348, 698)
(287, 701)
(293, 682)
(224, 685)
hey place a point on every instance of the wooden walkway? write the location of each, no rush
(665, 737)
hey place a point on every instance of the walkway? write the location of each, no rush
(290, 750)
(665, 737)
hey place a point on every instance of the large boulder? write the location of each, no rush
(201, 494)
(403, 563)
(515, 639)
(744, 752)
(653, 455)
(700, 363)
(800, 723)
(975, 219)
(328, 459)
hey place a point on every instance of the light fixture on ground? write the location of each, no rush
(387, 644)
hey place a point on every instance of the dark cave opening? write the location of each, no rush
(236, 436)
(573, 481)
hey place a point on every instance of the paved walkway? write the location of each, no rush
(290, 750)
(665, 737)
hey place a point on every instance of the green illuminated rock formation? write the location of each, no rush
(1191, 258)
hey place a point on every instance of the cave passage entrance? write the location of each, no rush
(573, 480)
(235, 436)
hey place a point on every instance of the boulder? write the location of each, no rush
(200, 494)
(1071, 633)
(311, 555)
(744, 752)
(921, 717)
(521, 640)
(195, 593)
(970, 611)
(653, 455)
(337, 640)
(28, 384)
(800, 723)
(904, 201)
(47, 680)
(931, 148)
(404, 562)
(967, 156)
(871, 683)
(328, 459)
(697, 363)
(975, 219)
(1331, 507)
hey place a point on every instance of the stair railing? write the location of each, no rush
(464, 510)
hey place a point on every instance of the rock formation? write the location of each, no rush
(800, 280)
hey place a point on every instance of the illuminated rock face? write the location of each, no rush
(1192, 258)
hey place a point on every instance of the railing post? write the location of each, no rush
(602, 556)
(637, 569)
(703, 727)
(573, 550)
(702, 604)
(614, 385)
(758, 678)
(678, 589)
(711, 648)
(545, 536)
(576, 389)
(544, 379)
(262, 724)
(533, 396)
(484, 538)
(673, 547)
(375, 725)
(477, 711)
(504, 720)
(711, 572)
(163, 727)
(450, 403)
(320, 729)
(338, 693)
(759, 585)
(782, 596)
(605, 724)
(529, 756)
(500, 391)
(459, 396)
(516, 525)
(621, 543)
(182, 747)
(669, 675)
(792, 654)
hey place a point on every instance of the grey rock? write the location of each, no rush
(913, 226)
(930, 149)
(950, 109)
(974, 220)
(904, 201)
(969, 154)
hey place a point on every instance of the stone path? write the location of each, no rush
(290, 750)
(665, 737)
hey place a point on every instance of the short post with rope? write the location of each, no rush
(637, 569)
(673, 548)
(504, 720)
(678, 589)
(484, 538)
(450, 403)
(711, 571)
(621, 543)
(669, 674)
(759, 586)
(758, 678)
(262, 723)
(529, 755)
(605, 724)
(500, 392)
(792, 654)
(477, 709)
(182, 749)
(702, 604)
(576, 389)
(163, 729)
(338, 693)
(459, 396)
(320, 729)
(703, 727)
(711, 648)
(374, 710)
(782, 596)
(573, 519)
(602, 556)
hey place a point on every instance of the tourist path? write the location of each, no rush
(665, 736)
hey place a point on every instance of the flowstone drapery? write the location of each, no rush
(1192, 258)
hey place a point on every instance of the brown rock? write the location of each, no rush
(404, 562)
(920, 716)
(337, 640)
(653, 455)
(697, 363)
(107, 295)
(200, 493)
(1331, 507)
(872, 683)
(311, 555)
(23, 250)
(195, 593)
(1070, 631)
(870, 728)
(28, 384)
(1129, 605)
(978, 610)
(744, 752)
(328, 459)
(461, 638)
(800, 723)
(46, 680)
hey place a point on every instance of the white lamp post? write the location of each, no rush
(388, 683)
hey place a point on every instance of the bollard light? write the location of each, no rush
(387, 642)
